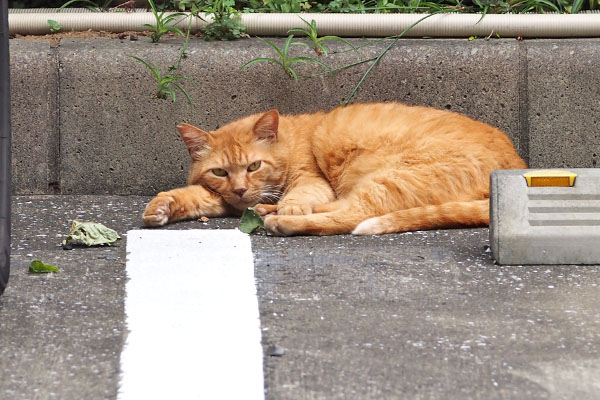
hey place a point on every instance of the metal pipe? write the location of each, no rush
(346, 25)
(5, 141)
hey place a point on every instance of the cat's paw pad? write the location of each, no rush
(276, 225)
(294, 209)
(158, 211)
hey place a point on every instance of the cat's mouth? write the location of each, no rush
(268, 196)
(243, 203)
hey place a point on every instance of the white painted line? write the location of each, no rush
(192, 315)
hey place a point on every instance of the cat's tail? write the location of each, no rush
(446, 215)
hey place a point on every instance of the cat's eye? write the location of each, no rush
(254, 166)
(219, 172)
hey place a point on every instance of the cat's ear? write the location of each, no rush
(266, 127)
(195, 139)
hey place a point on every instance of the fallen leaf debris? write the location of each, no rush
(90, 234)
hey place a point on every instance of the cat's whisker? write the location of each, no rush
(270, 196)
(273, 188)
(272, 191)
(269, 199)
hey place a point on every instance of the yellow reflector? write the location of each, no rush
(550, 177)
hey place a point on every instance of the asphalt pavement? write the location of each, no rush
(422, 315)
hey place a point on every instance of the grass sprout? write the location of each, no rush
(163, 23)
(284, 60)
(225, 23)
(167, 83)
(317, 41)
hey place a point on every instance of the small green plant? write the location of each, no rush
(225, 18)
(285, 61)
(317, 41)
(286, 6)
(167, 83)
(366, 6)
(55, 27)
(162, 23)
(225, 28)
(224, 23)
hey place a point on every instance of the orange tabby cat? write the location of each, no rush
(362, 169)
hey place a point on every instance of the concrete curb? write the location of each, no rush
(84, 121)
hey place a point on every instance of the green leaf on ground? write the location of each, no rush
(251, 221)
(38, 267)
(90, 234)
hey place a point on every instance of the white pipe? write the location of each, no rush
(346, 25)
(37, 23)
(440, 25)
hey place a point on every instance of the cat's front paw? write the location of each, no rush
(158, 211)
(274, 226)
(285, 225)
(294, 209)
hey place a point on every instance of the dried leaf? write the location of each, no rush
(90, 234)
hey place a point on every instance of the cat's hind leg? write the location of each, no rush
(357, 222)
(392, 201)
(446, 215)
(370, 198)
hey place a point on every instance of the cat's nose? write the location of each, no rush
(240, 192)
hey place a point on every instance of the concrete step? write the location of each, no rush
(84, 120)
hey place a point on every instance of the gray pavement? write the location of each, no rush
(424, 315)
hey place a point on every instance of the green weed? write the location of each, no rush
(317, 41)
(225, 23)
(406, 6)
(224, 18)
(169, 82)
(284, 60)
(162, 23)
(369, 6)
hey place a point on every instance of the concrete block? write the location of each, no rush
(474, 78)
(545, 225)
(34, 116)
(564, 117)
(478, 78)
(115, 138)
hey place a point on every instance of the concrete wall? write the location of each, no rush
(84, 120)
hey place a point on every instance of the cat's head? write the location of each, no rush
(237, 160)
